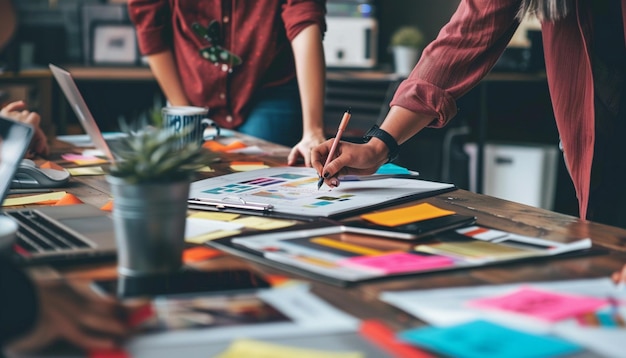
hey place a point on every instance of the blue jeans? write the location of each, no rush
(276, 116)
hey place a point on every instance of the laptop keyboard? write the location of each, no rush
(36, 234)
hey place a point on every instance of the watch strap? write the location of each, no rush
(392, 146)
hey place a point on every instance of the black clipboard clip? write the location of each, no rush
(230, 202)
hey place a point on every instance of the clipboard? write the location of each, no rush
(291, 192)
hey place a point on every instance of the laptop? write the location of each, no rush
(56, 233)
(86, 119)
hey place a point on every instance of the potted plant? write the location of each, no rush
(150, 181)
(406, 43)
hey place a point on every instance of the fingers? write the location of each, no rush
(292, 158)
(319, 154)
(13, 107)
(619, 277)
(80, 335)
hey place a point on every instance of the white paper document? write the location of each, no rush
(293, 190)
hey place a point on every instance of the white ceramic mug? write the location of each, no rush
(192, 121)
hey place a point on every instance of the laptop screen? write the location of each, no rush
(69, 88)
(14, 140)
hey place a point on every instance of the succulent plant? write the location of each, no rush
(153, 154)
(409, 36)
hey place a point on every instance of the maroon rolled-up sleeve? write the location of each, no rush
(300, 14)
(463, 53)
(152, 20)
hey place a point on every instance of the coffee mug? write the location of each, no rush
(191, 122)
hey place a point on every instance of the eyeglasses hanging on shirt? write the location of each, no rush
(215, 52)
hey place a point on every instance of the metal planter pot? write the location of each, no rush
(149, 220)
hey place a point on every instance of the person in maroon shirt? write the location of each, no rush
(585, 57)
(276, 92)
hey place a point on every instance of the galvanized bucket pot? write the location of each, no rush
(149, 222)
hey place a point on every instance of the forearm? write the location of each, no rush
(164, 69)
(311, 74)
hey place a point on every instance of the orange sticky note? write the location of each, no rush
(68, 199)
(409, 214)
(276, 280)
(108, 206)
(199, 253)
(219, 147)
(50, 165)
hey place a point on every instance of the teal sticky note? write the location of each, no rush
(482, 339)
(390, 168)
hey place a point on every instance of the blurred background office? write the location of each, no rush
(502, 143)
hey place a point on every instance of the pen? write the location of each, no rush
(230, 203)
(342, 126)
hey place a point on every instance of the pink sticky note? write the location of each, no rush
(549, 306)
(397, 262)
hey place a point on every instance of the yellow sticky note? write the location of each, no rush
(247, 166)
(210, 215)
(200, 239)
(83, 171)
(260, 223)
(409, 214)
(257, 349)
(205, 169)
(33, 199)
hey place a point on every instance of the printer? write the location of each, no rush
(351, 39)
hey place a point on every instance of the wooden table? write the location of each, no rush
(361, 300)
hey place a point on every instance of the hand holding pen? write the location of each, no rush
(342, 126)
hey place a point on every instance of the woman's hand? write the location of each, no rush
(619, 277)
(303, 149)
(350, 159)
(17, 111)
(78, 316)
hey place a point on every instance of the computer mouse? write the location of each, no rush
(29, 175)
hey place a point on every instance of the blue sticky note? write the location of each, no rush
(482, 339)
(390, 168)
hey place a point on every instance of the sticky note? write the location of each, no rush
(85, 171)
(108, 206)
(199, 253)
(257, 349)
(390, 168)
(83, 159)
(205, 169)
(260, 223)
(50, 165)
(210, 215)
(68, 199)
(49, 198)
(482, 339)
(409, 214)
(398, 262)
(545, 305)
(247, 166)
(216, 146)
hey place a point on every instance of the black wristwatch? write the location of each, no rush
(389, 141)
